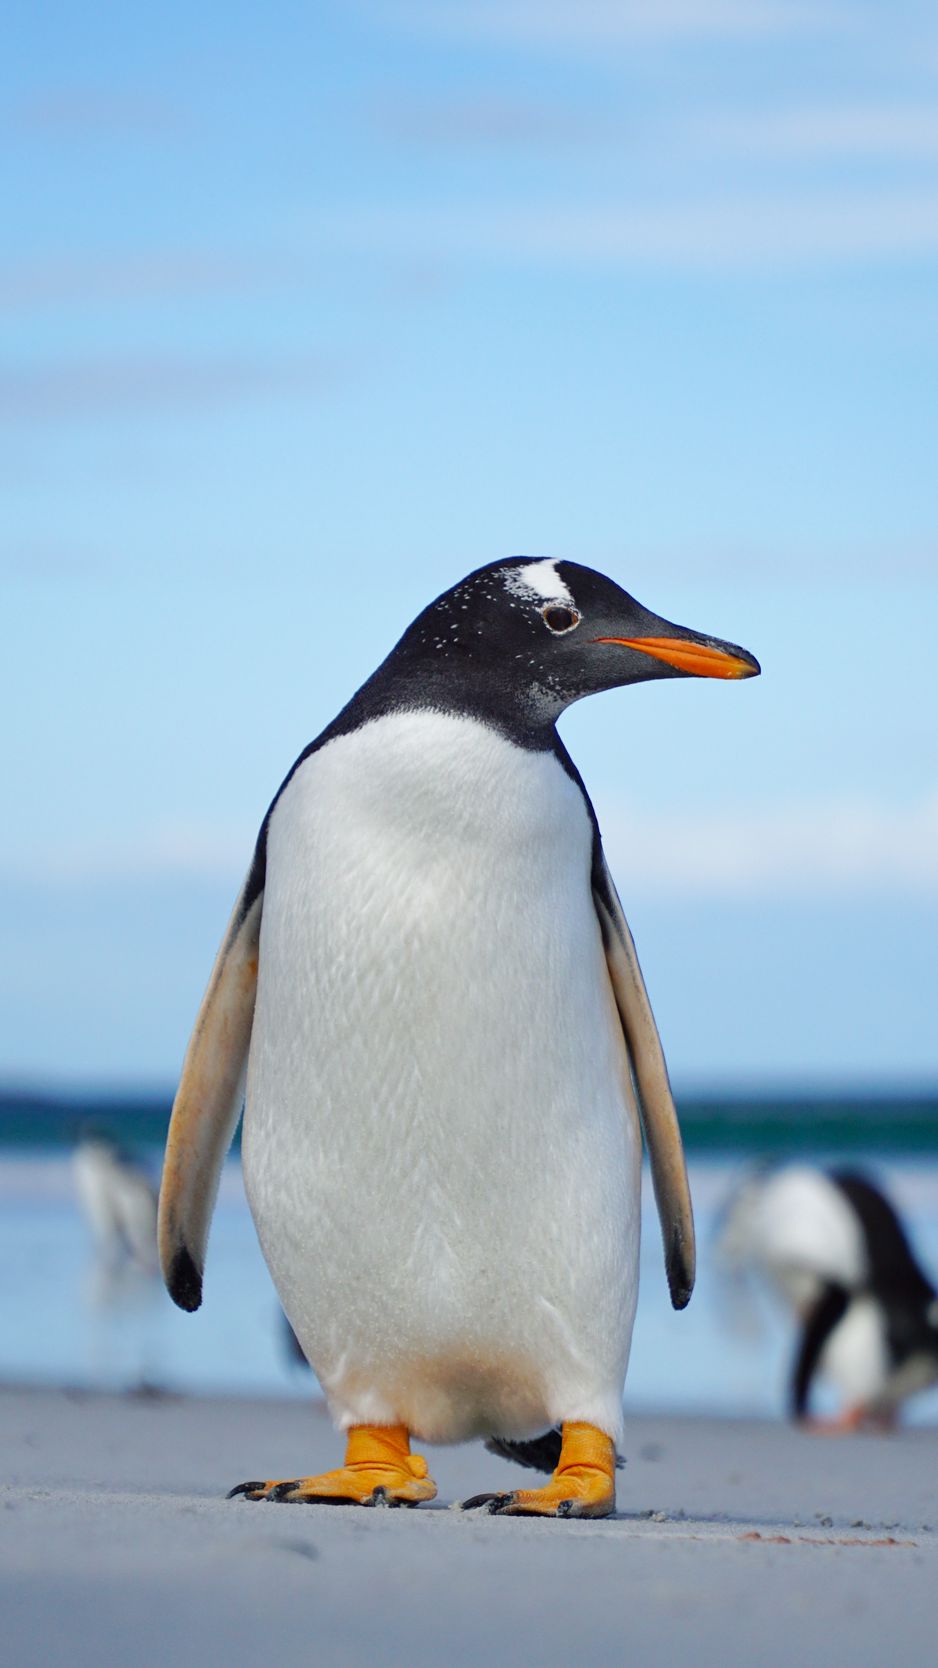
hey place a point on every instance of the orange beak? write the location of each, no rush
(696, 658)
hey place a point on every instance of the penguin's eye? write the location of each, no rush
(559, 619)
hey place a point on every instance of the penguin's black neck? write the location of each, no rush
(523, 714)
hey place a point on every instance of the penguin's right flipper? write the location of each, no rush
(208, 1103)
(827, 1312)
(650, 1074)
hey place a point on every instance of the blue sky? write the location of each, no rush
(305, 311)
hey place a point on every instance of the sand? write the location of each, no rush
(736, 1543)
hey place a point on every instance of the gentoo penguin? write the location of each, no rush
(834, 1248)
(431, 1000)
(119, 1201)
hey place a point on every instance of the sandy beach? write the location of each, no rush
(735, 1543)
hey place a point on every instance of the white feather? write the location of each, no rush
(796, 1226)
(855, 1358)
(441, 1148)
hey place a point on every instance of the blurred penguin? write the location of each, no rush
(119, 1202)
(833, 1247)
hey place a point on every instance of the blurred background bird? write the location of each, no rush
(118, 1200)
(833, 1248)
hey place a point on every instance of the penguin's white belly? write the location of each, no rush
(440, 1147)
(855, 1357)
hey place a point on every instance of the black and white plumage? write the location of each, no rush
(431, 993)
(833, 1246)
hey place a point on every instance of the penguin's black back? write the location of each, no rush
(891, 1261)
(895, 1278)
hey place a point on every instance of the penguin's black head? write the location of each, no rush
(536, 635)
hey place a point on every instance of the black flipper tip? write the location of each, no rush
(184, 1282)
(680, 1273)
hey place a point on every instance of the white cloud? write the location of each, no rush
(840, 847)
(61, 390)
(79, 113)
(763, 231)
(597, 23)
(128, 275)
(792, 133)
(899, 132)
(485, 120)
(175, 850)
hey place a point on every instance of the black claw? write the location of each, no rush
(282, 1490)
(566, 1508)
(494, 1502)
(244, 1488)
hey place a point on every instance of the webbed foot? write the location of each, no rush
(379, 1470)
(583, 1484)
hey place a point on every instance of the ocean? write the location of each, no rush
(67, 1318)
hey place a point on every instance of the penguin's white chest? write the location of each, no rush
(441, 1150)
(855, 1357)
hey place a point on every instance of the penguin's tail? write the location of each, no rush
(541, 1453)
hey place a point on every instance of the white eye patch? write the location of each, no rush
(537, 581)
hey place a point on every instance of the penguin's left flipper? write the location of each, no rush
(583, 1484)
(650, 1075)
(208, 1102)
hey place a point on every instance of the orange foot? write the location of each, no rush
(583, 1485)
(857, 1418)
(379, 1470)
